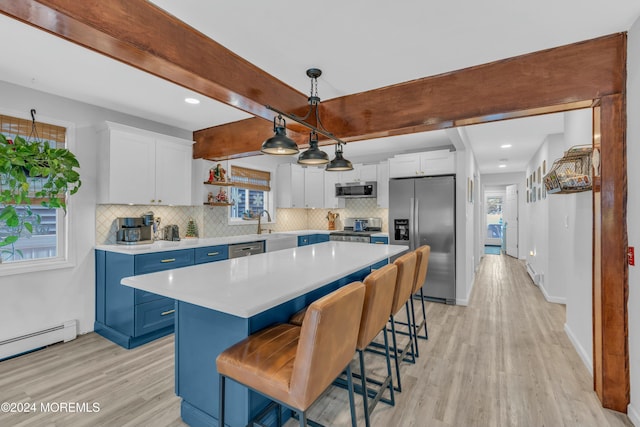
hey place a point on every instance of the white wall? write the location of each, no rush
(573, 246)
(633, 213)
(33, 301)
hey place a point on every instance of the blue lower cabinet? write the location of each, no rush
(312, 239)
(132, 317)
(304, 240)
(211, 254)
(379, 240)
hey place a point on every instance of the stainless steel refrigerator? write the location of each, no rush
(422, 211)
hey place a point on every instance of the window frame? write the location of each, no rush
(270, 194)
(66, 245)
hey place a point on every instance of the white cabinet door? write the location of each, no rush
(313, 187)
(141, 167)
(173, 173)
(350, 176)
(404, 166)
(383, 185)
(368, 173)
(437, 162)
(290, 191)
(130, 175)
(330, 199)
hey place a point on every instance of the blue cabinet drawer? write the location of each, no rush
(144, 296)
(380, 240)
(160, 261)
(211, 253)
(321, 238)
(303, 240)
(153, 315)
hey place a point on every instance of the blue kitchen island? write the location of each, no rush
(221, 303)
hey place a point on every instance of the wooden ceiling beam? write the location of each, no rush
(578, 72)
(144, 36)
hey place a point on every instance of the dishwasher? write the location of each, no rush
(245, 249)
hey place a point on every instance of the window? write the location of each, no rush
(250, 193)
(46, 241)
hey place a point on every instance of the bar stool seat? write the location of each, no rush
(289, 364)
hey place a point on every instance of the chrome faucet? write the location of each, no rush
(259, 220)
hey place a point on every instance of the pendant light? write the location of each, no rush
(313, 156)
(339, 163)
(279, 144)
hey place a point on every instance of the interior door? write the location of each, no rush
(510, 216)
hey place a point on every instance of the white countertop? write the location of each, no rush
(250, 285)
(165, 245)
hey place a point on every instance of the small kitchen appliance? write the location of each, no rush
(357, 230)
(171, 232)
(133, 231)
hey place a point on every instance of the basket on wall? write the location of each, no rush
(572, 173)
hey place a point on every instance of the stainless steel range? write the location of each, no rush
(357, 230)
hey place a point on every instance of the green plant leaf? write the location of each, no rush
(28, 226)
(9, 240)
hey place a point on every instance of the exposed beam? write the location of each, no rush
(142, 35)
(555, 77)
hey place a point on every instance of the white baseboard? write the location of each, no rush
(633, 415)
(586, 357)
(550, 298)
(32, 341)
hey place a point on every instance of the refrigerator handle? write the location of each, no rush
(412, 220)
(416, 226)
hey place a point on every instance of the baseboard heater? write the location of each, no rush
(532, 273)
(35, 340)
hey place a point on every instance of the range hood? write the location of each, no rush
(357, 190)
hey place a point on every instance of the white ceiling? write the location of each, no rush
(359, 45)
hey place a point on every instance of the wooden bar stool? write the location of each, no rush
(380, 287)
(289, 363)
(404, 285)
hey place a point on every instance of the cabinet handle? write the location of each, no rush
(379, 243)
(213, 253)
(168, 260)
(166, 313)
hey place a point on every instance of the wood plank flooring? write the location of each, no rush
(502, 361)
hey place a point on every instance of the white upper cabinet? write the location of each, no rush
(313, 187)
(290, 188)
(330, 199)
(142, 167)
(438, 162)
(360, 173)
(383, 185)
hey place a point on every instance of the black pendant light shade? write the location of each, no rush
(314, 155)
(279, 144)
(339, 163)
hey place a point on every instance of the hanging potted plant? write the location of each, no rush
(31, 171)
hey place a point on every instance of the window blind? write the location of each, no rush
(250, 178)
(12, 126)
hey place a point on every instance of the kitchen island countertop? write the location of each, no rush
(247, 286)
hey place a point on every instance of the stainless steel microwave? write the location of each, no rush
(355, 190)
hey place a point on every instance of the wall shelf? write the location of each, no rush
(218, 204)
(221, 183)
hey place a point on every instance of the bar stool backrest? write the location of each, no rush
(404, 283)
(327, 342)
(423, 253)
(380, 286)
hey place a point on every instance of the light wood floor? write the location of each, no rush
(502, 361)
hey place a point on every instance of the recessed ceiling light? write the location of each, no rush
(192, 101)
(502, 166)
(505, 146)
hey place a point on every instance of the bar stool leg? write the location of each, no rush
(352, 403)
(392, 398)
(303, 419)
(424, 315)
(221, 400)
(415, 328)
(410, 328)
(395, 351)
(365, 391)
